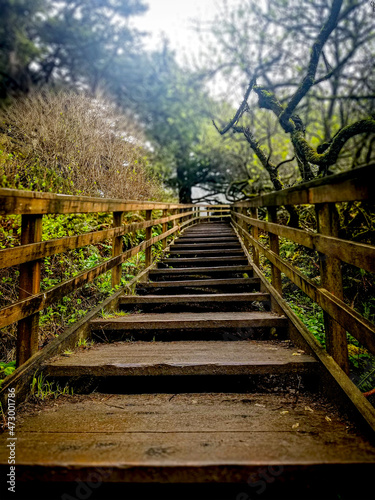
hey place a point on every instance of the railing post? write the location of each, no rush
(245, 227)
(274, 247)
(148, 251)
(164, 228)
(331, 280)
(255, 235)
(29, 284)
(117, 249)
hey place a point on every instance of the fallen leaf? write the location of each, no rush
(262, 406)
(296, 354)
(329, 419)
(284, 412)
(307, 408)
(294, 426)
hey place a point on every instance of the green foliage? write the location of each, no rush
(6, 369)
(41, 388)
(70, 41)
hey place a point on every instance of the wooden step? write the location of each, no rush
(196, 261)
(183, 271)
(207, 238)
(213, 297)
(217, 298)
(189, 438)
(182, 358)
(203, 252)
(200, 283)
(181, 321)
(234, 244)
(200, 241)
(213, 302)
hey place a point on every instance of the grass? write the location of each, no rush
(43, 389)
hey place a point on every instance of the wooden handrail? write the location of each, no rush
(355, 185)
(32, 206)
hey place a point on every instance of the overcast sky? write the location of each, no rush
(173, 18)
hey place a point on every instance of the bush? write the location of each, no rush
(70, 143)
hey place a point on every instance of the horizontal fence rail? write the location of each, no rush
(32, 206)
(323, 194)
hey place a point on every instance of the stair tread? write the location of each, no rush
(202, 282)
(182, 358)
(199, 320)
(175, 438)
(197, 270)
(184, 298)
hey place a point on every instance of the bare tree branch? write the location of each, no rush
(309, 79)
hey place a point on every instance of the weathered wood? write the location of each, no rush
(196, 271)
(165, 228)
(254, 234)
(196, 261)
(331, 280)
(173, 438)
(201, 283)
(354, 185)
(14, 201)
(362, 329)
(357, 254)
(202, 253)
(29, 285)
(338, 386)
(148, 251)
(117, 249)
(26, 307)
(21, 378)
(26, 253)
(274, 247)
(181, 298)
(182, 358)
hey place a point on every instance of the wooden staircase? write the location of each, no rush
(193, 389)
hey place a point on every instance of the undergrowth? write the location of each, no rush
(58, 268)
(357, 221)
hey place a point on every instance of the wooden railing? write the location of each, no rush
(339, 317)
(28, 256)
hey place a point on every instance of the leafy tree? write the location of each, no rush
(75, 42)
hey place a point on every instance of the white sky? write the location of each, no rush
(173, 18)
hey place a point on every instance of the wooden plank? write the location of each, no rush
(202, 283)
(14, 201)
(21, 378)
(274, 247)
(338, 386)
(203, 320)
(331, 280)
(197, 270)
(204, 252)
(187, 299)
(182, 358)
(354, 185)
(362, 329)
(164, 228)
(29, 285)
(255, 235)
(148, 251)
(117, 249)
(357, 254)
(18, 255)
(172, 438)
(26, 307)
(195, 260)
